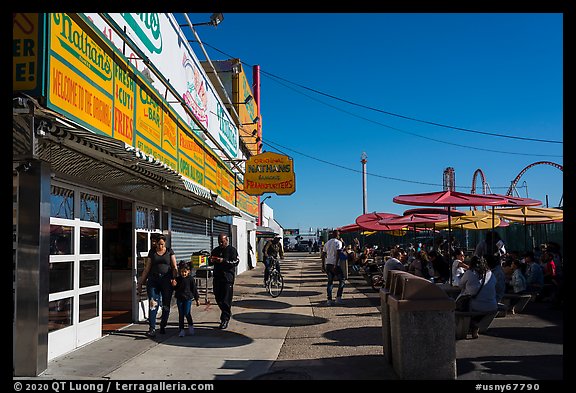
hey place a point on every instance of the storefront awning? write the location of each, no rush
(78, 154)
(265, 232)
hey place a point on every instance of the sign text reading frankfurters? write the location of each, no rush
(269, 172)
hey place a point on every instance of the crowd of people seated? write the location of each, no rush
(538, 272)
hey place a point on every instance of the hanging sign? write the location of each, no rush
(269, 172)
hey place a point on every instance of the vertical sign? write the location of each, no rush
(190, 157)
(124, 95)
(25, 51)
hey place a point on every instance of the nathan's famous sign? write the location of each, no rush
(269, 172)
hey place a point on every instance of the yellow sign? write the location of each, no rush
(190, 157)
(269, 172)
(124, 93)
(169, 133)
(247, 203)
(148, 116)
(211, 172)
(157, 153)
(25, 51)
(75, 95)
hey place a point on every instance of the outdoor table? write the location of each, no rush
(450, 290)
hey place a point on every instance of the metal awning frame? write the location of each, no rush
(122, 160)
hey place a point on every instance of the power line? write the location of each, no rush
(417, 135)
(500, 135)
(274, 144)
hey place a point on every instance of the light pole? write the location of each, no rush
(363, 160)
(261, 203)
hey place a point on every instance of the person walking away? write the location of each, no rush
(333, 270)
(272, 250)
(185, 289)
(479, 282)
(250, 252)
(224, 257)
(160, 272)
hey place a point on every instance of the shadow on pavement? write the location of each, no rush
(354, 337)
(261, 304)
(278, 319)
(549, 334)
(365, 367)
(210, 338)
(543, 367)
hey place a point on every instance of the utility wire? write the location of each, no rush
(274, 144)
(391, 113)
(414, 134)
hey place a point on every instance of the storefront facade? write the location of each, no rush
(100, 162)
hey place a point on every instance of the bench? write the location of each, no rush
(516, 302)
(502, 310)
(462, 319)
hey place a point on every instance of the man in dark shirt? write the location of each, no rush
(272, 250)
(225, 259)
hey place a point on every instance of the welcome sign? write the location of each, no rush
(269, 172)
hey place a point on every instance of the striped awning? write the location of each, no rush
(112, 165)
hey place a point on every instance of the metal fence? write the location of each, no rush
(516, 237)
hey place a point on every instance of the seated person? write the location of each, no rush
(459, 267)
(479, 282)
(534, 273)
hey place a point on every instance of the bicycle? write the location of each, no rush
(275, 282)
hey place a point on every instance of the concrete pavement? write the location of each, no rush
(297, 336)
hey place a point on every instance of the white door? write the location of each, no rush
(75, 278)
(147, 222)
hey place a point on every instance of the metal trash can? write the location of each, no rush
(385, 311)
(422, 328)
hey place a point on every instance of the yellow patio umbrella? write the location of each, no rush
(473, 224)
(528, 215)
(529, 212)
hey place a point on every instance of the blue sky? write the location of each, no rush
(490, 73)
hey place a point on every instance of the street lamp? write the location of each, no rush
(215, 20)
(261, 203)
(246, 100)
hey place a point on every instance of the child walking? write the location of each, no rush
(184, 291)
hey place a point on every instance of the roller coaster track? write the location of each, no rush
(517, 178)
(478, 172)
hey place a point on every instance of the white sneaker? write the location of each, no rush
(339, 300)
(182, 333)
(329, 302)
(191, 330)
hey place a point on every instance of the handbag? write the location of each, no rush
(463, 302)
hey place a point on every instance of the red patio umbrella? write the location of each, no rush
(373, 217)
(450, 199)
(350, 228)
(517, 201)
(422, 217)
(369, 221)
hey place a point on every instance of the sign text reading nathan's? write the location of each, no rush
(269, 172)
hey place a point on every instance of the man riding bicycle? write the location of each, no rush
(271, 251)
